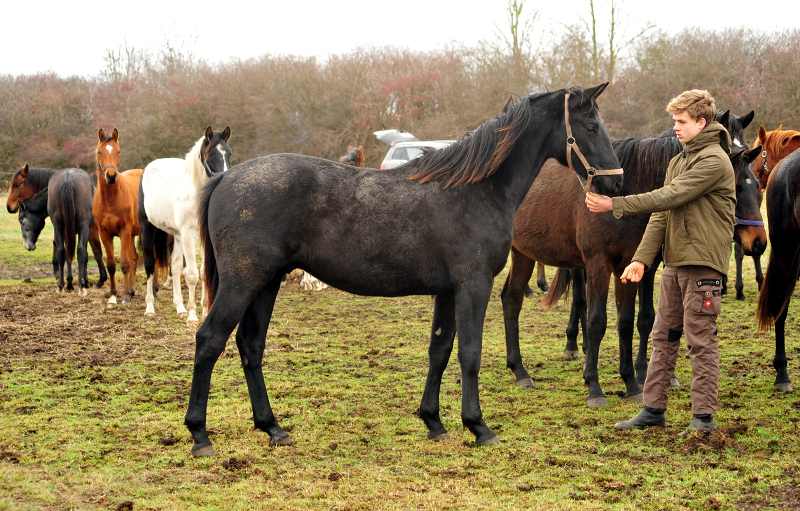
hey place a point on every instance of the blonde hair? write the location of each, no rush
(698, 103)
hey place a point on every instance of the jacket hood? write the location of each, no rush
(714, 133)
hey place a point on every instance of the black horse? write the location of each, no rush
(68, 201)
(783, 269)
(439, 225)
(554, 227)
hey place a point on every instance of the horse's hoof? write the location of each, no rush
(526, 383)
(99, 285)
(112, 302)
(492, 441)
(125, 301)
(674, 383)
(636, 398)
(596, 402)
(83, 292)
(444, 437)
(783, 387)
(281, 442)
(571, 355)
(203, 452)
(192, 318)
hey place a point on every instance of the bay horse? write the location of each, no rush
(554, 227)
(167, 204)
(783, 268)
(440, 225)
(68, 201)
(115, 210)
(26, 183)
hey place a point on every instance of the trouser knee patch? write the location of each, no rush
(674, 335)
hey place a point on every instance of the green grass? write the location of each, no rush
(93, 417)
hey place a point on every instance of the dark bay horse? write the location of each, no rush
(26, 183)
(68, 201)
(783, 214)
(116, 212)
(554, 227)
(440, 225)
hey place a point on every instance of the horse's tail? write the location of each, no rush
(161, 248)
(67, 199)
(210, 274)
(560, 285)
(776, 290)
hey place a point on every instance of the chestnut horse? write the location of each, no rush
(783, 214)
(115, 211)
(554, 227)
(26, 183)
(354, 156)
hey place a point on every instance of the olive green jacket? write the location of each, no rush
(694, 212)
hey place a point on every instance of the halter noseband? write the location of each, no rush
(573, 146)
(755, 223)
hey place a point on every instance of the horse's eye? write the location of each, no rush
(591, 128)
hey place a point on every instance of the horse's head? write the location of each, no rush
(583, 134)
(32, 215)
(215, 153)
(354, 156)
(735, 127)
(18, 190)
(107, 156)
(749, 230)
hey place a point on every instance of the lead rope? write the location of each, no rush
(573, 146)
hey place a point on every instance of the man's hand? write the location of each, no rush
(598, 203)
(633, 272)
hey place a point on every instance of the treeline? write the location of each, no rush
(162, 103)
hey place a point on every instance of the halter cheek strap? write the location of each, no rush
(764, 170)
(572, 145)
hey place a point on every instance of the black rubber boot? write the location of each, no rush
(703, 422)
(647, 417)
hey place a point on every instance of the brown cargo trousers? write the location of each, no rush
(689, 301)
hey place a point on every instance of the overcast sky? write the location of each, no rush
(72, 37)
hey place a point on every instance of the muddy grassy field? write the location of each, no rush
(92, 403)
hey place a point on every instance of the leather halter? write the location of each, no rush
(573, 146)
(764, 170)
(755, 223)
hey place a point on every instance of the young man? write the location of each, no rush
(692, 219)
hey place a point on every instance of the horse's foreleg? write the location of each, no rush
(443, 332)
(61, 255)
(739, 256)
(782, 380)
(211, 337)
(111, 264)
(512, 298)
(250, 339)
(189, 242)
(625, 298)
(471, 302)
(127, 263)
(83, 259)
(645, 320)
(597, 279)
(55, 259)
(97, 251)
(541, 279)
(203, 299)
(177, 266)
(577, 315)
(759, 274)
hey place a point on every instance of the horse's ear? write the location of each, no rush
(349, 147)
(101, 135)
(762, 133)
(209, 134)
(594, 92)
(115, 135)
(361, 148)
(24, 172)
(22, 206)
(747, 119)
(780, 128)
(735, 157)
(725, 118)
(752, 154)
(226, 133)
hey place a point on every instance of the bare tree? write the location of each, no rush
(518, 37)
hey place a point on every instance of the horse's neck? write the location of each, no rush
(515, 177)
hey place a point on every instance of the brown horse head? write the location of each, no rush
(749, 230)
(776, 145)
(107, 156)
(18, 190)
(215, 153)
(354, 156)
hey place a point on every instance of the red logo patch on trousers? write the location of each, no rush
(708, 303)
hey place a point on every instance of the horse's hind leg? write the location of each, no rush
(739, 256)
(61, 255)
(211, 337)
(577, 316)
(759, 274)
(148, 238)
(645, 320)
(541, 278)
(512, 298)
(177, 266)
(97, 251)
(83, 259)
(250, 339)
(625, 295)
(597, 280)
(443, 331)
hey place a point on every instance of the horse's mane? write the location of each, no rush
(194, 164)
(645, 160)
(479, 153)
(37, 178)
(779, 143)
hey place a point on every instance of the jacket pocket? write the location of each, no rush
(706, 301)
